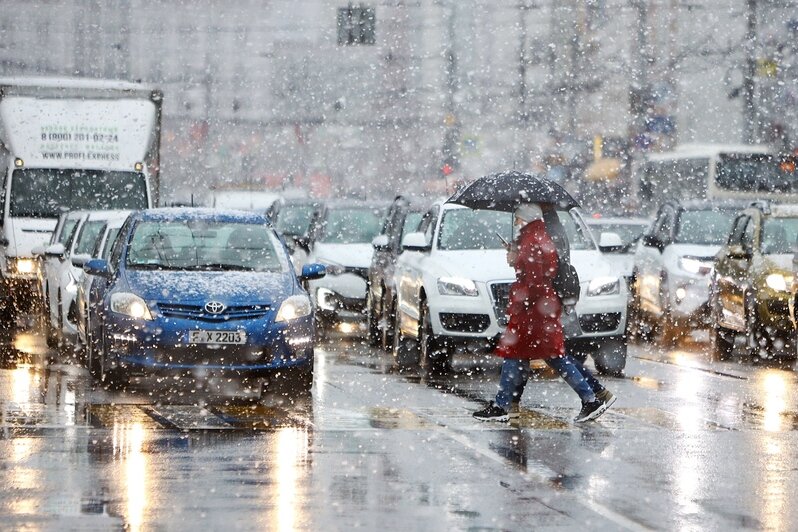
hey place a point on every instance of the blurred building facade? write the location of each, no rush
(261, 92)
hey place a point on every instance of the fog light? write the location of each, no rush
(298, 341)
(124, 338)
(681, 293)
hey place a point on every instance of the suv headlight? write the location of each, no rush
(457, 286)
(779, 282)
(604, 286)
(292, 308)
(130, 305)
(22, 266)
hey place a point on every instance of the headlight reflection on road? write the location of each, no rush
(773, 390)
(128, 442)
(290, 455)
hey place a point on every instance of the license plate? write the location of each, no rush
(217, 337)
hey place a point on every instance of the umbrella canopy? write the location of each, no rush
(506, 190)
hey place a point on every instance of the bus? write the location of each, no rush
(715, 171)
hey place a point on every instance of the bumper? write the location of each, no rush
(340, 298)
(688, 300)
(161, 345)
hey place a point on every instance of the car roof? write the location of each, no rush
(179, 214)
(617, 221)
(109, 215)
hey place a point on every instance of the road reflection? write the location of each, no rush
(290, 459)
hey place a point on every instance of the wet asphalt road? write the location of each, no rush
(689, 445)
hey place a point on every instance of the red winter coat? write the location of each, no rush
(534, 330)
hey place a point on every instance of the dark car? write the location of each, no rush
(202, 292)
(291, 218)
(403, 217)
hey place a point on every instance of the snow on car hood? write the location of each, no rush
(491, 264)
(352, 255)
(230, 288)
(707, 251)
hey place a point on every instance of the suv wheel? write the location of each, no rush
(755, 341)
(373, 318)
(388, 319)
(610, 357)
(434, 356)
(405, 350)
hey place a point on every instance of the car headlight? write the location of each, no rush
(694, 265)
(24, 266)
(294, 307)
(604, 286)
(457, 286)
(779, 282)
(131, 305)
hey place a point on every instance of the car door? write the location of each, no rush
(57, 265)
(740, 274)
(649, 261)
(409, 273)
(726, 269)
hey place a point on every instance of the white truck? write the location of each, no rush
(68, 144)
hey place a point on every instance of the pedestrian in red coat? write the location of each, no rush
(534, 330)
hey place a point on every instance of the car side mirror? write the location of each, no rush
(98, 267)
(380, 242)
(652, 241)
(79, 260)
(415, 242)
(312, 271)
(610, 242)
(55, 250)
(737, 251)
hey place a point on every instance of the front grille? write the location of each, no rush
(204, 355)
(198, 312)
(500, 293)
(593, 323)
(470, 323)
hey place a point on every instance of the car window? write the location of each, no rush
(89, 235)
(110, 242)
(351, 225)
(67, 230)
(463, 229)
(663, 228)
(428, 223)
(749, 235)
(578, 234)
(204, 245)
(779, 235)
(629, 233)
(704, 227)
(411, 221)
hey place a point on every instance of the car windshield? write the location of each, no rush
(352, 225)
(45, 192)
(204, 245)
(779, 236)
(629, 233)
(463, 229)
(706, 227)
(89, 234)
(294, 219)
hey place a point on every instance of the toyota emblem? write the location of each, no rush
(214, 307)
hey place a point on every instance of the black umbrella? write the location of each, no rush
(507, 190)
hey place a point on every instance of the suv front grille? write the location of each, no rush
(500, 294)
(594, 323)
(198, 312)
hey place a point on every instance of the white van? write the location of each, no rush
(68, 144)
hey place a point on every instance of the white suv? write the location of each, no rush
(453, 281)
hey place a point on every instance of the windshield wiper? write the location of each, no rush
(157, 266)
(222, 267)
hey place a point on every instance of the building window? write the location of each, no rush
(356, 25)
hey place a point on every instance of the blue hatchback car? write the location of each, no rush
(200, 291)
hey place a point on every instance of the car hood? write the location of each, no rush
(352, 255)
(230, 288)
(490, 265)
(782, 261)
(704, 251)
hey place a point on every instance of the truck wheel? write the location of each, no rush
(610, 357)
(405, 350)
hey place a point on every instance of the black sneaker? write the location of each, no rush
(606, 397)
(492, 413)
(590, 411)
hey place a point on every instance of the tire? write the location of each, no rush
(92, 355)
(405, 350)
(610, 357)
(432, 354)
(289, 382)
(722, 348)
(389, 321)
(755, 341)
(375, 336)
(669, 334)
(111, 378)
